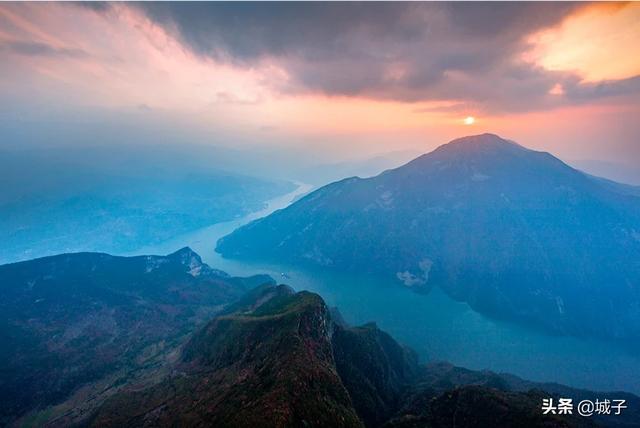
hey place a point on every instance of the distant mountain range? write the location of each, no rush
(116, 200)
(516, 233)
(322, 174)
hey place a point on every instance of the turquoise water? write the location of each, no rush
(436, 326)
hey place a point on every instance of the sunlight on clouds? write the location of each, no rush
(557, 89)
(599, 43)
(129, 61)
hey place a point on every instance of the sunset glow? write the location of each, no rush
(138, 60)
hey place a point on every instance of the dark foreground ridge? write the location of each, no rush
(516, 233)
(75, 328)
(276, 359)
(103, 341)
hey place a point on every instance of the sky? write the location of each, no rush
(344, 80)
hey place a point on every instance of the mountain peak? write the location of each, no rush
(480, 141)
(488, 151)
(191, 261)
(268, 363)
(480, 138)
(182, 251)
(185, 256)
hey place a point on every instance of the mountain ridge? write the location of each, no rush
(516, 233)
(279, 360)
(269, 364)
(76, 327)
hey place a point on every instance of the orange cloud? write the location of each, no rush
(598, 42)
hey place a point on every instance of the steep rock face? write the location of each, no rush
(267, 363)
(375, 369)
(75, 327)
(516, 233)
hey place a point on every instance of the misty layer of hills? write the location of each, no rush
(96, 340)
(118, 198)
(106, 199)
(515, 233)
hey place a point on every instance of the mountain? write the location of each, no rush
(74, 328)
(277, 359)
(319, 175)
(267, 363)
(375, 369)
(116, 200)
(516, 233)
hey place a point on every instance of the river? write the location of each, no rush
(436, 326)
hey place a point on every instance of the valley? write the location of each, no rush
(433, 324)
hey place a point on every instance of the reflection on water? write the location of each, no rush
(438, 327)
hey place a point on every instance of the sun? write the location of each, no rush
(469, 120)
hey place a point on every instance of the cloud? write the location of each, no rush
(470, 52)
(32, 48)
(225, 97)
(607, 88)
(97, 6)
